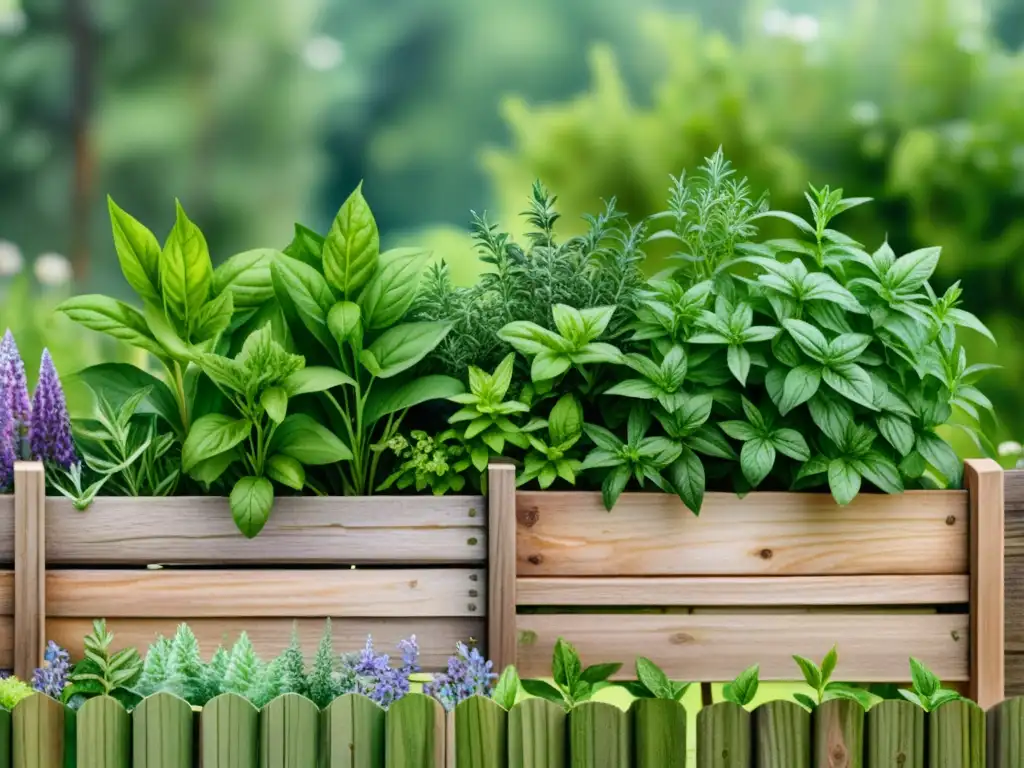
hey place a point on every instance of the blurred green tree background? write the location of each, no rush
(259, 115)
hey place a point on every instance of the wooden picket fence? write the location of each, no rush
(416, 732)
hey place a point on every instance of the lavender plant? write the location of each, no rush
(50, 430)
(371, 674)
(52, 677)
(469, 674)
(14, 390)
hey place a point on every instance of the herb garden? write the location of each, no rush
(734, 460)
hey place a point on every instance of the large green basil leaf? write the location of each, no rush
(251, 501)
(186, 272)
(392, 395)
(393, 287)
(275, 402)
(166, 334)
(211, 435)
(208, 471)
(316, 378)
(401, 347)
(305, 440)
(304, 291)
(119, 381)
(137, 251)
(351, 247)
(247, 276)
(112, 317)
(344, 321)
(214, 318)
(287, 471)
(307, 246)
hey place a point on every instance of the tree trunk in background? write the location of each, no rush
(80, 34)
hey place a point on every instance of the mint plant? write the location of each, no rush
(926, 689)
(820, 679)
(743, 688)
(573, 682)
(652, 683)
(553, 458)
(506, 691)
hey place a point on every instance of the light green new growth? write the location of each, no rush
(243, 668)
(13, 690)
(321, 678)
(268, 684)
(292, 668)
(214, 672)
(154, 669)
(184, 666)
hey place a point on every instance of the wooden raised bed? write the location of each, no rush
(386, 566)
(759, 579)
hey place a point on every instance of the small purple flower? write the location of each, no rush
(410, 651)
(14, 390)
(7, 452)
(469, 674)
(50, 434)
(53, 675)
(375, 677)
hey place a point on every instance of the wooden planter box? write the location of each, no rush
(759, 579)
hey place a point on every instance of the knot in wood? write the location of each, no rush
(838, 754)
(901, 758)
(680, 638)
(527, 516)
(725, 753)
(766, 554)
(535, 559)
(950, 520)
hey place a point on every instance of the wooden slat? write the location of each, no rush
(983, 479)
(694, 591)
(29, 567)
(6, 593)
(361, 592)
(410, 530)
(1013, 545)
(501, 609)
(717, 647)
(652, 534)
(7, 528)
(436, 637)
(6, 642)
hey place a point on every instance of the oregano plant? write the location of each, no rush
(573, 682)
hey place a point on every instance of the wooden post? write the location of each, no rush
(501, 565)
(983, 479)
(29, 567)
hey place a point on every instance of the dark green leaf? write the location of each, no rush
(304, 439)
(251, 501)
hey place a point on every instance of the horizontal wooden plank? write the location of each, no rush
(792, 534)
(408, 530)
(436, 637)
(717, 647)
(362, 592)
(743, 590)
(7, 528)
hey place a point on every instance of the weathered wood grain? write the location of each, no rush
(782, 735)
(352, 733)
(40, 730)
(104, 734)
(362, 592)
(6, 593)
(408, 530)
(437, 637)
(7, 529)
(228, 733)
(600, 736)
(839, 735)
(1004, 733)
(481, 734)
(1013, 580)
(29, 567)
(724, 737)
(414, 733)
(289, 733)
(792, 534)
(763, 591)
(983, 479)
(956, 736)
(162, 733)
(659, 734)
(895, 735)
(501, 607)
(537, 736)
(713, 646)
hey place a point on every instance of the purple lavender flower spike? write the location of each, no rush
(50, 434)
(14, 389)
(469, 674)
(8, 455)
(53, 675)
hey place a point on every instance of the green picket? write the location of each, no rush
(481, 732)
(782, 735)
(352, 733)
(839, 734)
(956, 736)
(537, 735)
(723, 736)
(41, 727)
(229, 732)
(895, 735)
(104, 734)
(659, 733)
(1004, 733)
(599, 736)
(289, 728)
(414, 733)
(5, 738)
(162, 733)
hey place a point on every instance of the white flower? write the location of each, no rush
(323, 53)
(1009, 448)
(52, 269)
(775, 22)
(865, 113)
(804, 28)
(11, 260)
